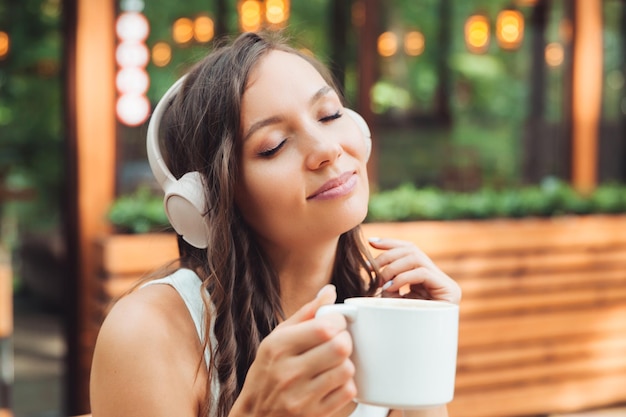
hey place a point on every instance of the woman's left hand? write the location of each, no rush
(402, 264)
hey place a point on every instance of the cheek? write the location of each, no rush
(265, 196)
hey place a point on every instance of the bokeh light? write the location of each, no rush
(414, 43)
(510, 29)
(203, 29)
(161, 54)
(132, 109)
(387, 44)
(554, 54)
(182, 30)
(250, 15)
(276, 11)
(132, 54)
(477, 33)
(134, 81)
(132, 26)
(5, 44)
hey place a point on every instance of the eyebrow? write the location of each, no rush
(276, 119)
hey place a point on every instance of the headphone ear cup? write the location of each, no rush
(185, 206)
(365, 130)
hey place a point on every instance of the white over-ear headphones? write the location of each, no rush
(184, 198)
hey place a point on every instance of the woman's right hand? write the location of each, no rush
(302, 368)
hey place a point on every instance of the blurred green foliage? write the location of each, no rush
(31, 115)
(552, 197)
(139, 212)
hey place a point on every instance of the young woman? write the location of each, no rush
(273, 190)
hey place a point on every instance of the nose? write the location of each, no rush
(323, 148)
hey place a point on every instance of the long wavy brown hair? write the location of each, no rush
(201, 132)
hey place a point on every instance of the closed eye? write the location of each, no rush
(331, 117)
(271, 152)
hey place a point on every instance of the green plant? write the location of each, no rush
(139, 212)
(550, 198)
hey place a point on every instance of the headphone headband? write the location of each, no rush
(155, 158)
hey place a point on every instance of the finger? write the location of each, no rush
(386, 243)
(330, 354)
(400, 249)
(299, 338)
(338, 399)
(399, 264)
(438, 285)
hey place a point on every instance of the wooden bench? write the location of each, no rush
(543, 315)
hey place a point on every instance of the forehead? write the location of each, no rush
(282, 70)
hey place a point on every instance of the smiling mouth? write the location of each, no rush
(336, 187)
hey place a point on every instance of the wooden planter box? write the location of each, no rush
(543, 315)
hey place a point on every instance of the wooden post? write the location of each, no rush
(6, 333)
(586, 93)
(368, 11)
(91, 127)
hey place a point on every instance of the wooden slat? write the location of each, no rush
(511, 304)
(519, 354)
(441, 238)
(519, 263)
(541, 398)
(511, 329)
(557, 370)
(121, 255)
(115, 286)
(480, 286)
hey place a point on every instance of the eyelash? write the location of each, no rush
(270, 152)
(332, 117)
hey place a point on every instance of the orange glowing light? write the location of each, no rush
(387, 44)
(5, 44)
(203, 29)
(276, 11)
(510, 29)
(554, 54)
(477, 33)
(250, 15)
(414, 43)
(182, 30)
(161, 54)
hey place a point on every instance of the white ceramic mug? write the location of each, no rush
(404, 350)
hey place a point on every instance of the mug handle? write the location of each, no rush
(348, 311)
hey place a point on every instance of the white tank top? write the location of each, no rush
(188, 285)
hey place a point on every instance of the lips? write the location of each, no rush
(336, 187)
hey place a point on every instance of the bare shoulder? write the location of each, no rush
(147, 357)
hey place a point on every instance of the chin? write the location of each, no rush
(355, 217)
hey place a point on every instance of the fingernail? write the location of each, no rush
(374, 239)
(387, 285)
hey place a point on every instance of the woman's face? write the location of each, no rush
(303, 164)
